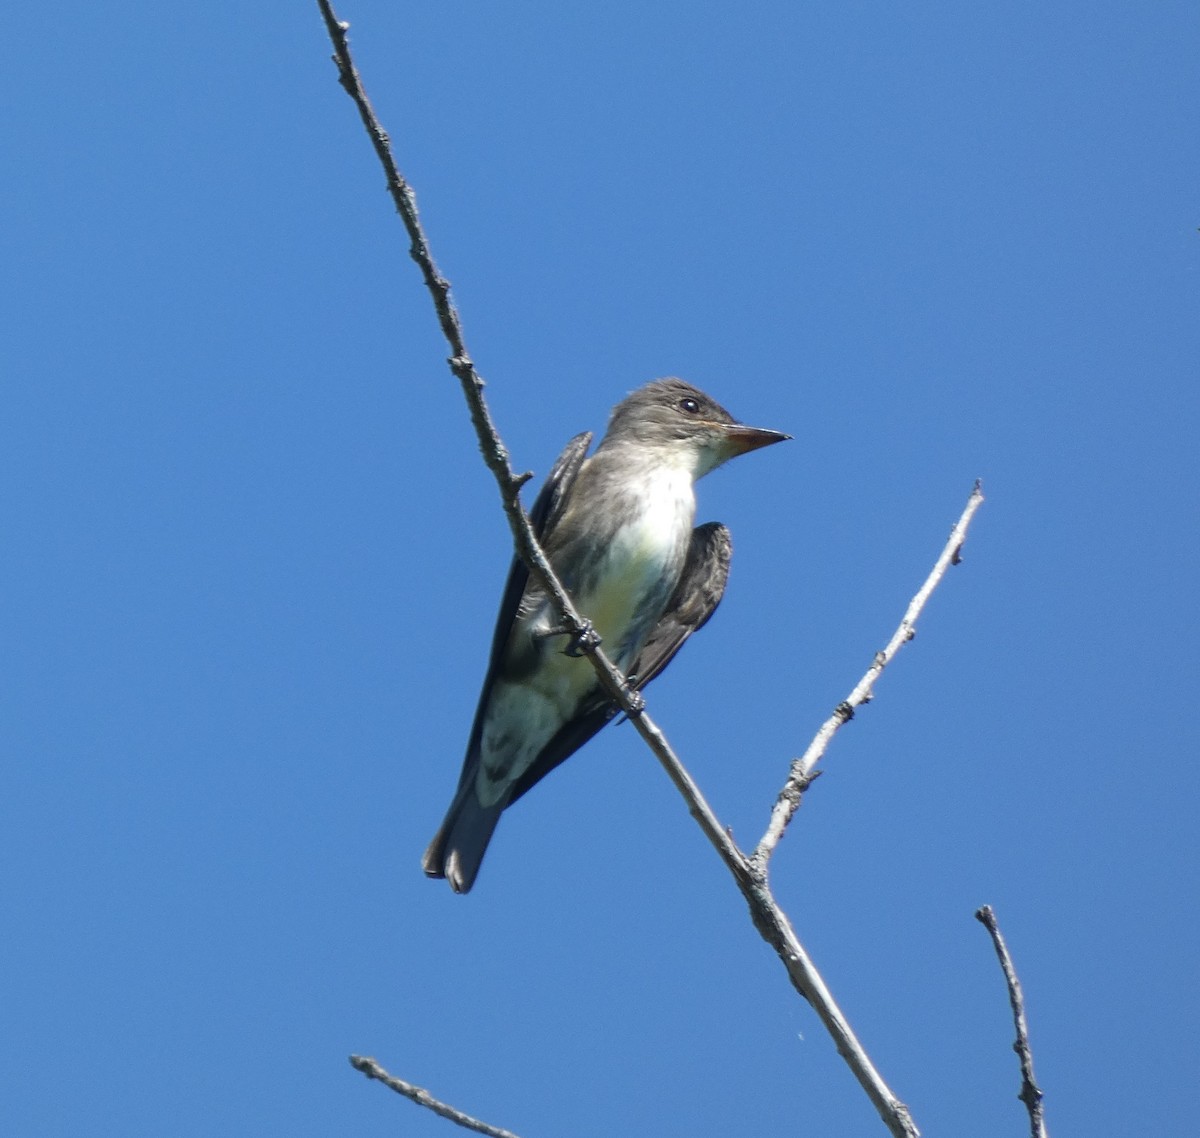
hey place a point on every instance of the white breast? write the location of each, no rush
(523, 715)
(638, 556)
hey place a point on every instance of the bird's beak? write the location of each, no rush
(740, 439)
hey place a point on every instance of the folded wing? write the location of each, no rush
(700, 588)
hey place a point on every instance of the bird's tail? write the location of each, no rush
(457, 849)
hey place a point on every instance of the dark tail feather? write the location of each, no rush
(457, 849)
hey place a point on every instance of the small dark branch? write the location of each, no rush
(1031, 1093)
(423, 1098)
(401, 191)
(789, 797)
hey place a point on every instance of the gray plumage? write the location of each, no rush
(617, 527)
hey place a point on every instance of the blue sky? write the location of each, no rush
(252, 560)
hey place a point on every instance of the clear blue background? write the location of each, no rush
(251, 559)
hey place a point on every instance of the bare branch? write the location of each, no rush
(423, 1098)
(775, 928)
(802, 770)
(749, 874)
(1031, 1093)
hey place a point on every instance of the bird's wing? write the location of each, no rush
(547, 508)
(700, 588)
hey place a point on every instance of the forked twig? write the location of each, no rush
(750, 876)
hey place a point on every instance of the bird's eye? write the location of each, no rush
(689, 405)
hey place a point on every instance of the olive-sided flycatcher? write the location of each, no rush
(617, 527)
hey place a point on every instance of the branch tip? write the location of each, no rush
(788, 799)
(423, 1098)
(1030, 1093)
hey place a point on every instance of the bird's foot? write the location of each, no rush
(586, 640)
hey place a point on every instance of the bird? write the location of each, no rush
(618, 529)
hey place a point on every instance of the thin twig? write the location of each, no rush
(802, 770)
(771, 922)
(1031, 1093)
(423, 1098)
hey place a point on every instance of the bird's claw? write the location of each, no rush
(586, 640)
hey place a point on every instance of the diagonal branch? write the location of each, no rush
(1031, 1093)
(423, 1098)
(749, 874)
(802, 772)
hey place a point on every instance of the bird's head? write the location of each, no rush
(680, 420)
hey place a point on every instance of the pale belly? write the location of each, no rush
(631, 588)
